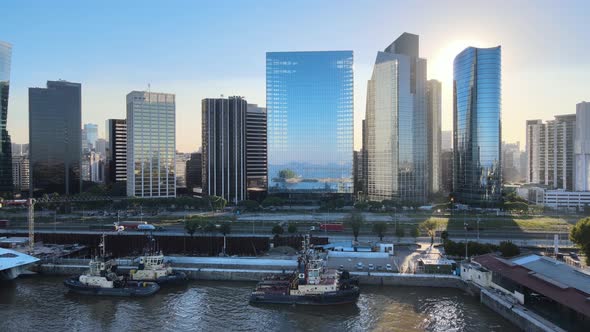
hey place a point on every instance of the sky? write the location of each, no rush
(204, 49)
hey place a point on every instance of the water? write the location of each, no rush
(43, 304)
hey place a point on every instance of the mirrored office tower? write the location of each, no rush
(396, 124)
(582, 147)
(151, 144)
(309, 99)
(477, 123)
(6, 185)
(55, 116)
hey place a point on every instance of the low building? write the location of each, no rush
(557, 199)
(435, 265)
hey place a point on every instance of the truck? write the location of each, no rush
(134, 226)
(332, 227)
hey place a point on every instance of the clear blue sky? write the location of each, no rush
(199, 49)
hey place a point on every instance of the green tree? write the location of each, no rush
(272, 201)
(356, 221)
(415, 232)
(292, 229)
(580, 235)
(361, 206)
(374, 205)
(429, 226)
(286, 174)
(217, 203)
(191, 226)
(444, 235)
(249, 205)
(277, 230)
(380, 228)
(508, 249)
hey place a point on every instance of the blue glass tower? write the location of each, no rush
(477, 138)
(309, 98)
(5, 143)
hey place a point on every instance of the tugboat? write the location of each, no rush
(311, 284)
(153, 268)
(102, 279)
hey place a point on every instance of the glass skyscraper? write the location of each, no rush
(309, 99)
(396, 124)
(151, 144)
(55, 119)
(6, 185)
(477, 123)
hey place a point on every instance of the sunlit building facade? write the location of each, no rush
(434, 119)
(309, 98)
(582, 147)
(151, 144)
(477, 177)
(396, 124)
(6, 185)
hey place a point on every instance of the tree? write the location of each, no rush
(356, 221)
(444, 235)
(429, 226)
(361, 206)
(380, 228)
(272, 201)
(292, 229)
(217, 203)
(191, 226)
(249, 205)
(414, 232)
(374, 205)
(508, 249)
(286, 174)
(277, 230)
(580, 235)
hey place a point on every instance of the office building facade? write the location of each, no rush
(224, 148)
(309, 99)
(6, 184)
(396, 124)
(582, 147)
(151, 144)
(194, 170)
(477, 124)
(256, 148)
(116, 150)
(89, 136)
(550, 151)
(55, 140)
(434, 119)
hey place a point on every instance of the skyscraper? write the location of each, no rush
(6, 185)
(256, 149)
(477, 177)
(90, 135)
(117, 150)
(550, 149)
(55, 146)
(194, 172)
(396, 124)
(433, 109)
(151, 144)
(446, 140)
(309, 98)
(224, 147)
(582, 147)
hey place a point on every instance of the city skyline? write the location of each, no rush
(107, 66)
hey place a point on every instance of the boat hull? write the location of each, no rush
(331, 298)
(132, 289)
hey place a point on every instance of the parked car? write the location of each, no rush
(388, 267)
(359, 266)
(379, 267)
(371, 267)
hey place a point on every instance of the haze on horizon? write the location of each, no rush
(211, 48)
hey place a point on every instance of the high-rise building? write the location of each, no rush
(357, 172)
(224, 148)
(446, 143)
(89, 136)
(309, 98)
(434, 118)
(151, 144)
(194, 168)
(117, 150)
(582, 147)
(477, 123)
(55, 142)
(446, 168)
(256, 149)
(550, 151)
(181, 159)
(6, 185)
(101, 147)
(396, 120)
(20, 167)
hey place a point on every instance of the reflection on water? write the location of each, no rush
(42, 303)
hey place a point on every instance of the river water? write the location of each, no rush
(43, 304)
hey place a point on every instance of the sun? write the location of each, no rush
(440, 66)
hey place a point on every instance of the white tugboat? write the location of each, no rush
(153, 268)
(102, 279)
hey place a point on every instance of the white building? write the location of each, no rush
(151, 144)
(557, 199)
(582, 147)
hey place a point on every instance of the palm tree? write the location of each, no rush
(429, 226)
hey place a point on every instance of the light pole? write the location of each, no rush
(477, 228)
(466, 256)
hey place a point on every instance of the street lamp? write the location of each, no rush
(466, 256)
